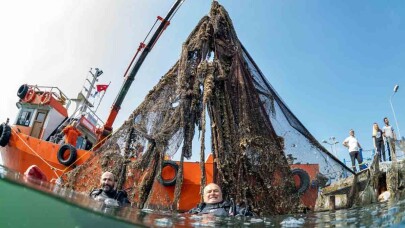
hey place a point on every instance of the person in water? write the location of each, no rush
(35, 174)
(107, 191)
(215, 205)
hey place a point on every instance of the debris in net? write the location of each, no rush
(211, 79)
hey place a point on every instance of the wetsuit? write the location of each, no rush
(224, 208)
(119, 196)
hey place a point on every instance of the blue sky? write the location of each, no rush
(334, 63)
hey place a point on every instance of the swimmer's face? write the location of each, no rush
(212, 194)
(107, 181)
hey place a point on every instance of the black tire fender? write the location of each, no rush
(5, 134)
(169, 182)
(22, 91)
(72, 156)
(304, 180)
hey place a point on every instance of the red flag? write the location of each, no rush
(101, 88)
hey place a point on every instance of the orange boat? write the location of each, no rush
(39, 136)
(34, 137)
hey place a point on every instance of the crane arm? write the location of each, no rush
(129, 77)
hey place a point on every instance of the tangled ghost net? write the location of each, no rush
(213, 92)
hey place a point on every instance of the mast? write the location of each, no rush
(129, 77)
(91, 87)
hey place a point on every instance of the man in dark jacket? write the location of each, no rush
(215, 205)
(107, 191)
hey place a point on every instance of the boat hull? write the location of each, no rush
(162, 196)
(24, 151)
(308, 197)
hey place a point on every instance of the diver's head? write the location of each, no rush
(212, 194)
(107, 181)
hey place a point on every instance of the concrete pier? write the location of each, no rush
(365, 187)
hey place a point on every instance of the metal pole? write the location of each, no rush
(334, 142)
(332, 145)
(392, 107)
(335, 149)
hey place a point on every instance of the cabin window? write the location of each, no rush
(79, 142)
(83, 143)
(25, 117)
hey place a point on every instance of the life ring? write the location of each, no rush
(46, 98)
(29, 96)
(5, 134)
(72, 155)
(169, 173)
(303, 180)
(22, 91)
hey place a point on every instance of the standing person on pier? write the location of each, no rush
(353, 146)
(378, 140)
(389, 137)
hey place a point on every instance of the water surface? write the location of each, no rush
(24, 203)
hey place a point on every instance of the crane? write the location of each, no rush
(133, 69)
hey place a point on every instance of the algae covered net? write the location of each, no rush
(216, 93)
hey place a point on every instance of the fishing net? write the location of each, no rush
(215, 93)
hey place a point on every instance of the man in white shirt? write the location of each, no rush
(389, 137)
(354, 146)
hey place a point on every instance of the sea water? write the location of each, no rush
(26, 203)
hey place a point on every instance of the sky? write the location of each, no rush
(334, 63)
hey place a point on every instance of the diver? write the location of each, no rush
(215, 205)
(108, 194)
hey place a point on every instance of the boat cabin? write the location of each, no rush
(43, 114)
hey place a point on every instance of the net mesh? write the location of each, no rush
(216, 90)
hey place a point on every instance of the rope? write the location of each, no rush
(29, 147)
(54, 169)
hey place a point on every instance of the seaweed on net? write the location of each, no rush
(250, 161)
(213, 78)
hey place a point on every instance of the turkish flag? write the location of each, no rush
(101, 88)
